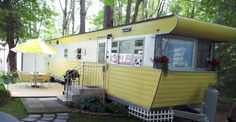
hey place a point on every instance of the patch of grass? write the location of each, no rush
(14, 107)
(2, 87)
(75, 117)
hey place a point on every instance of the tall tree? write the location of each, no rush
(118, 12)
(160, 7)
(15, 20)
(65, 17)
(128, 11)
(137, 4)
(82, 16)
(72, 16)
(69, 8)
(108, 13)
(120, 7)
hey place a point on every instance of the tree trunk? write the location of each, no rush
(161, 7)
(193, 11)
(121, 2)
(108, 17)
(72, 16)
(10, 32)
(64, 22)
(128, 11)
(11, 58)
(82, 16)
(134, 19)
(144, 5)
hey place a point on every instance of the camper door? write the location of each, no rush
(102, 51)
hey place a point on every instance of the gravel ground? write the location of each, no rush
(221, 116)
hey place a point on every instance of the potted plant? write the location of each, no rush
(6, 78)
(14, 77)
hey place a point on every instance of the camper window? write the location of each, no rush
(179, 51)
(204, 53)
(114, 53)
(184, 53)
(128, 52)
(65, 53)
(79, 52)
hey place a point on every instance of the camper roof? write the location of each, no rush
(172, 24)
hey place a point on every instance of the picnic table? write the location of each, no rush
(39, 77)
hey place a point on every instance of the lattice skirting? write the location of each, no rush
(152, 116)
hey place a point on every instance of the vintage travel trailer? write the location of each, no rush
(130, 74)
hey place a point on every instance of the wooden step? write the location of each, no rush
(63, 99)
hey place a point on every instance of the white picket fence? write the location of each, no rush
(152, 116)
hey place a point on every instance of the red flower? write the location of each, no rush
(215, 62)
(163, 59)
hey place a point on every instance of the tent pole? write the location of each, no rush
(35, 84)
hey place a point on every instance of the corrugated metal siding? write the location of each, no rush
(179, 88)
(93, 75)
(139, 85)
(135, 85)
(58, 66)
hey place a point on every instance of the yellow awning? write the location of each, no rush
(171, 24)
(200, 29)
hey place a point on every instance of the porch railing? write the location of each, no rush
(89, 74)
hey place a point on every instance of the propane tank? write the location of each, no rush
(210, 103)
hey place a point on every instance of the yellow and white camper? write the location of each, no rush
(131, 74)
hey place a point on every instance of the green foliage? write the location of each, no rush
(226, 75)
(225, 104)
(219, 11)
(91, 103)
(116, 108)
(108, 2)
(216, 11)
(4, 95)
(97, 21)
(15, 107)
(14, 74)
(23, 17)
(164, 67)
(94, 104)
(5, 76)
(184, 7)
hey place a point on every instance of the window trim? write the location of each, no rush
(118, 50)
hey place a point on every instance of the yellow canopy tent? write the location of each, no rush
(35, 46)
